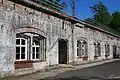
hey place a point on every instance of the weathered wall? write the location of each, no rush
(13, 17)
(91, 36)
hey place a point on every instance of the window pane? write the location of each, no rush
(22, 56)
(33, 56)
(77, 44)
(37, 49)
(23, 42)
(23, 50)
(37, 56)
(17, 56)
(33, 49)
(36, 41)
(17, 50)
(17, 41)
(83, 45)
(33, 53)
(77, 52)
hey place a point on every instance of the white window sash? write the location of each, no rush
(20, 49)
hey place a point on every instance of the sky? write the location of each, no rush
(83, 10)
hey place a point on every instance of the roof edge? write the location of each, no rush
(58, 14)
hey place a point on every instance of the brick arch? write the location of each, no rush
(30, 30)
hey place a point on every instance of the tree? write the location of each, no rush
(115, 23)
(101, 13)
(103, 19)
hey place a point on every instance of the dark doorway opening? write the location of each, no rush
(62, 47)
(115, 52)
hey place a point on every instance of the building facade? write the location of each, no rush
(32, 39)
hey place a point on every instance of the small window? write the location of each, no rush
(17, 41)
(97, 49)
(119, 50)
(81, 48)
(23, 42)
(107, 50)
(33, 53)
(114, 51)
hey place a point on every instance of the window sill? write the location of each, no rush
(25, 61)
(79, 57)
(83, 57)
(34, 61)
(96, 57)
(29, 61)
(107, 55)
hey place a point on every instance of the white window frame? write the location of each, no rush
(29, 45)
(107, 49)
(20, 45)
(80, 48)
(97, 49)
(35, 46)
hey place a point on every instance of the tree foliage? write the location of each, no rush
(101, 13)
(102, 18)
(115, 23)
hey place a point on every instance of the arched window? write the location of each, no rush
(107, 50)
(119, 51)
(82, 48)
(97, 49)
(30, 46)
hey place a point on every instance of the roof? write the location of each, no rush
(102, 26)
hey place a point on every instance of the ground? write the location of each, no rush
(104, 70)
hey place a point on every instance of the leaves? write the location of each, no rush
(101, 13)
(115, 23)
(103, 19)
